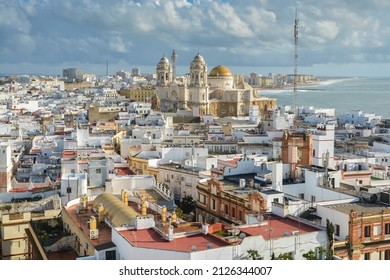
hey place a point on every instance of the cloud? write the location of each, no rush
(225, 32)
(116, 44)
(13, 19)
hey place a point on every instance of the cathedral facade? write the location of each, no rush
(201, 93)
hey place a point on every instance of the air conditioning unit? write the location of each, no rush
(94, 234)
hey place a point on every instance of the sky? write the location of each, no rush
(336, 37)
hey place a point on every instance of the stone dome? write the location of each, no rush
(198, 58)
(220, 71)
(164, 60)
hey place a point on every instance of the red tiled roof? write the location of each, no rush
(277, 227)
(123, 171)
(149, 238)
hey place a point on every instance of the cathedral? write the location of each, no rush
(201, 93)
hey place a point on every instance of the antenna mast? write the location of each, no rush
(295, 67)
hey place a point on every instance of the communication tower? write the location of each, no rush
(295, 68)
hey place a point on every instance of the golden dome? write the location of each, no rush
(220, 70)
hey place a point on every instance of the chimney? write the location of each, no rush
(125, 198)
(174, 217)
(101, 212)
(144, 208)
(164, 214)
(205, 229)
(92, 223)
(170, 233)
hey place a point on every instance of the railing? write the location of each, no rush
(302, 209)
(163, 190)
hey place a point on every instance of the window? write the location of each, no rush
(240, 215)
(377, 230)
(202, 198)
(313, 198)
(387, 228)
(367, 231)
(314, 153)
(276, 200)
(367, 256)
(233, 212)
(387, 254)
(337, 230)
(98, 171)
(110, 255)
(213, 204)
(226, 209)
(302, 196)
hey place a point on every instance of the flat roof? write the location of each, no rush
(270, 191)
(359, 207)
(149, 238)
(275, 227)
(81, 219)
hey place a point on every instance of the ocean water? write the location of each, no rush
(371, 95)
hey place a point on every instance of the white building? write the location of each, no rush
(141, 108)
(358, 117)
(73, 186)
(323, 144)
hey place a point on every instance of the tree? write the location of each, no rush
(311, 255)
(253, 255)
(330, 234)
(187, 204)
(285, 256)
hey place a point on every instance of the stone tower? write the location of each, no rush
(5, 168)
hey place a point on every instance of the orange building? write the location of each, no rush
(296, 150)
(222, 202)
(369, 234)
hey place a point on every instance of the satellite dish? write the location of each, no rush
(194, 248)
(260, 218)
(242, 235)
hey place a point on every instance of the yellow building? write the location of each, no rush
(142, 94)
(14, 243)
(96, 113)
(140, 166)
(233, 97)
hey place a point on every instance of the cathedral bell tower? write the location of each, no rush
(198, 72)
(198, 87)
(173, 59)
(164, 72)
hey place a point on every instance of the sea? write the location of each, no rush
(369, 94)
